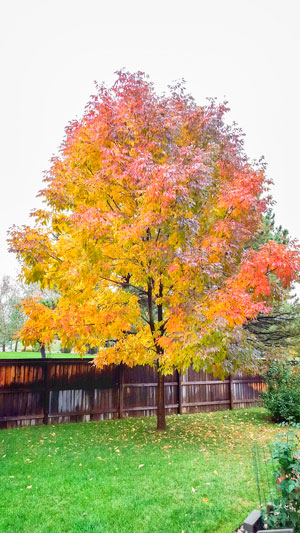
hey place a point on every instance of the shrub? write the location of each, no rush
(285, 509)
(282, 397)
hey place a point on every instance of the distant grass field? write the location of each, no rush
(122, 476)
(37, 355)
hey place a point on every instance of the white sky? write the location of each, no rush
(52, 51)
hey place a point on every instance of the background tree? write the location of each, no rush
(11, 316)
(270, 232)
(151, 209)
(278, 332)
(45, 297)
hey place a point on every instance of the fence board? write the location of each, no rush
(71, 390)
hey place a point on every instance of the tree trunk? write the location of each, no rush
(43, 353)
(3, 347)
(161, 412)
(16, 346)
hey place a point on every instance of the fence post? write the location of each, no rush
(231, 393)
(46, 392)
(121, 390)
(179, 392)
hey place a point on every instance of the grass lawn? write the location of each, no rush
(123, 476)
(37, 355)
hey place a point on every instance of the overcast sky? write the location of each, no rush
(52, 51)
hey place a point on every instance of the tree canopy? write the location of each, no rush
(151, 210)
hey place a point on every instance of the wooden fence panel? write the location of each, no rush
(139, 391)
(203, 392)
(247, 390)
(34, 391)
(21, 392)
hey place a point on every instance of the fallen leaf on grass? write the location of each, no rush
(140, 466)
(29, 487)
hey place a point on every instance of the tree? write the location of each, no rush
(151, 209)
(269, 232)
(45, 297)
(278, 331)
(11, 316)
(5, 293)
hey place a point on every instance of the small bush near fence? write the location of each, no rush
(282, 397)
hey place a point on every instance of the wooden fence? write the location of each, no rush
(72, 390)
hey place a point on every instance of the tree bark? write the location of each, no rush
(161, 411)
(16, 346)
(43, 353)
(3, 347)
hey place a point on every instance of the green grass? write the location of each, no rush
(37, 355)
(124, 476)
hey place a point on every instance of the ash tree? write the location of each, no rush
(151, 206)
